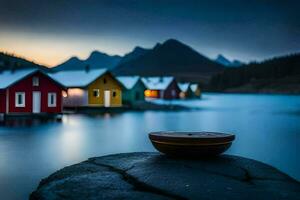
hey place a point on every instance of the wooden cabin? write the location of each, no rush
(161, 87)
(96, 87)
(196, 90)
(29, 91)
(186, 91)
(133, 89)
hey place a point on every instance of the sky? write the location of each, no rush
(50, 32)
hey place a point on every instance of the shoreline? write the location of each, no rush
(251, 93)
(144, 106)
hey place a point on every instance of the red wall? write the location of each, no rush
(168, 92)
(46, 85)
(2, 101)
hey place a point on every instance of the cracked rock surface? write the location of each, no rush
(155, 176)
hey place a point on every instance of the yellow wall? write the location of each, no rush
(111, 84)
(198, 92)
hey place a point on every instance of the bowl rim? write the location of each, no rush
(191, 138)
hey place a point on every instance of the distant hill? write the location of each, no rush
(137, 51)
(226, 62)
(95, 61)
(170, 58)
(72, 64)
(280, 74)
(98, 59)
(12, 62)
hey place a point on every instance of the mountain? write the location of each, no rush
(10, 61)
(137, 51)
(102, 60)
(227, 63)
(237, 63)
(95, 61)
(169, 58)
(74, 63)
(276, 75)
(222, 60)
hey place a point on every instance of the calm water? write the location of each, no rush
(267, 129)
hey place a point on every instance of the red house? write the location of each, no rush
(161, 87)
(29, 91)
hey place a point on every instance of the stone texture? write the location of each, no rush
(155, 176)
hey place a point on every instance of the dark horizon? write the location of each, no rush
(50, 32)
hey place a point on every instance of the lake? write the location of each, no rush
(267, 129)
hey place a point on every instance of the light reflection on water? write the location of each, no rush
(267, 129)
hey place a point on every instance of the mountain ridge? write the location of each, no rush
(95, 60)
(13, 62)
(227, 63)
(171, 57)
(136, 52)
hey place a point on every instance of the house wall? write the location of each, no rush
(111, 84)
(190, 94)
(77, 97)
(135, 94)
(46, 85)
(169, 94)
(198, 92)
(2, 101)
(126, 96)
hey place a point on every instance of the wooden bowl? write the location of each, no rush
(191, 144)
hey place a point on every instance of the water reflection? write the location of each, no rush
(25, 122)
(31, 150)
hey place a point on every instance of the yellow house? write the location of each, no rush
(105, 91)
(96, 87)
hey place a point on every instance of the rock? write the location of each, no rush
(156, 176)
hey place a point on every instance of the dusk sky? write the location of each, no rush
(50, 32)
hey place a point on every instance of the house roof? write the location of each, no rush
(184, 86)
(77, 78)
(128, 81)
(157, 83)
(194, 87)
(9, 77)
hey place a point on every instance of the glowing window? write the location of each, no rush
(64, 94)
(151, 93)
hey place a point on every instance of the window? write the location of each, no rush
(173, 93)
(114, 94)
(51, 99)
(20, 99)
(137, 96)
(35, 81)
(104, 81)
(96, 93)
